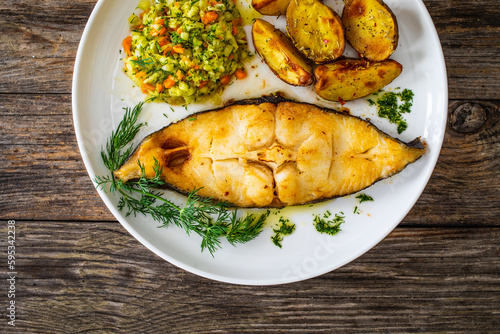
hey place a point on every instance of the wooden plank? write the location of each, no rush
(468, 32)
(42, 171)
(464, 188)
(103, 280)
(40, 40)
(42, 168)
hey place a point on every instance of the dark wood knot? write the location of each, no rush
(468, 117)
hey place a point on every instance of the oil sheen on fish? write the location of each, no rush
(271, 154)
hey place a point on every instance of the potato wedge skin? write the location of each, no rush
(349, 79)
(316, 30)
(371, 28)
(271, 7)
(280, 55)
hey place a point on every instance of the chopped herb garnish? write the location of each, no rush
(328, 226)
(392, 105)
(284, 229)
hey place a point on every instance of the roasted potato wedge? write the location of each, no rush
(371, 28)
(280, 55)
(271, 7)
(349, 79)
(316, 30)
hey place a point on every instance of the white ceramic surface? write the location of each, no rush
(101, 90)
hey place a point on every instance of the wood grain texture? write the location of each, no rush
(416, 280)
(79, 271)
(42, 171)
(39, 42)
(464, 188)
(469, 31)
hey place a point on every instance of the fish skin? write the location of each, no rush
(271, 152)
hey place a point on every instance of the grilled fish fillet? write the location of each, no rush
(271, 154)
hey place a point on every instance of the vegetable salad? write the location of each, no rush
(180, 51)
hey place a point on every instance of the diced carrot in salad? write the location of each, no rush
(240, 74)
(127, 42)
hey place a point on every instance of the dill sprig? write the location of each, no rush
(245, 229)
(364, 198)
(209, 219)
(144, 62)
(125, 132)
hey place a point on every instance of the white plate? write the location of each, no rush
(100, 90)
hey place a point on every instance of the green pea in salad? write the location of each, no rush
(181, 51)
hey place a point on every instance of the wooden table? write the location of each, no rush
(78, 270)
